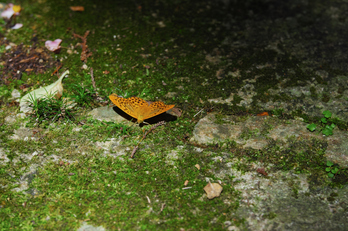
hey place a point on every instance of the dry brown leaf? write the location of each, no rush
(262, 171)
(263, 114)
(213, 190)
(77, 8)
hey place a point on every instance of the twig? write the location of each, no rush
(153, 127)
(134, 150)
(28, 59)
(85, 53)
(198, 112)
(148, 199)
(93, 82)
(56, 71)
(144, 136)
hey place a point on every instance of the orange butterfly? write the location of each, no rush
(139, 108)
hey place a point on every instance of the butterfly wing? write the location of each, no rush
(115, 99)
(132, 106)
(156, 108)
(139, 108)
(123, 104)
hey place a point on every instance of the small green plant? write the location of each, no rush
(328, 126)
(331, 170)
(4, 92)
(144, 92)
(50, 109)
(83, 96)
(2, 49)
(278, 112)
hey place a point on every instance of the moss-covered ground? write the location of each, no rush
(155, 50)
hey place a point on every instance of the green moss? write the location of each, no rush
(219, 119)
(246, 134)
(95, 185)
(112, 192)
(340, 179)
(132, 55)
(298, 156)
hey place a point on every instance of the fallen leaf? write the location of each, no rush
(186, 182)
(263, 114)
(77, 8)
(197, 166)
(262, 171)
(213, 190)
(55, 89)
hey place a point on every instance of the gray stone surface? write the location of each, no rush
(107, 114)
(86, 227)
(255, 132)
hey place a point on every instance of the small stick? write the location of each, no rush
(134, 150)
(198, 112)
(144, 136)
(28, 59)
(153, 127)
(148, 199)
(93, 82)
(56, 71)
